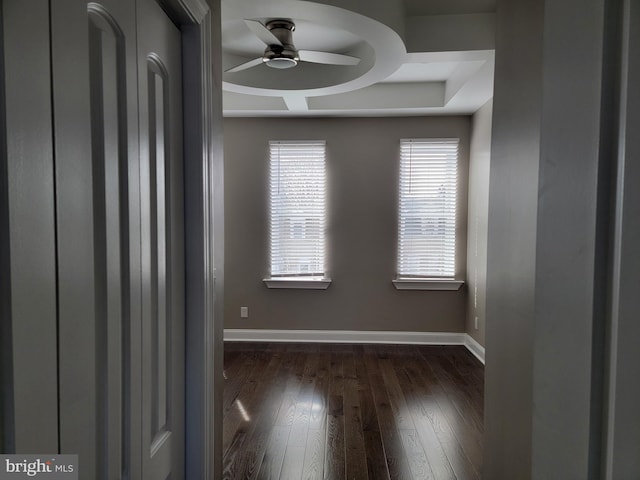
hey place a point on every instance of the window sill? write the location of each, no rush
(426, 284)
(298, 282)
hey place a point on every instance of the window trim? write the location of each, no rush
(301, 283)
(442, 284)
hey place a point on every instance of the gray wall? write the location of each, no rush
(511, 252)
(479, 162)
(573, 194)
(560, 214)
(362, 166)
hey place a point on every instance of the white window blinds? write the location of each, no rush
(428, 193)
(297, 183)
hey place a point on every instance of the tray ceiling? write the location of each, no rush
(416, 58)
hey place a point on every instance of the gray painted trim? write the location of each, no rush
(6, 351)
(622, 418)
(29, 225)
(204, 353)
(607, 272)
(215, 178)
(185, 12)
(194, 253)
(197, 9)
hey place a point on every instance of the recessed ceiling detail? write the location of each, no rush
(340, 58)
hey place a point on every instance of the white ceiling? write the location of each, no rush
(417, 57)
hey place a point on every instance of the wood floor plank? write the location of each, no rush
(453, 384)
(368, 414)
(251, 394)
(236, 378)
(287, 409)
(462, 408)
(377, 468)
(397, 461)
(319, 405)
(396, 396)
(355, 454)
(420, 397)
(271, 465)
(334, 411)
(449, 429)
(313, 467)
(334, 459)
(293, 463)
(249, 463)
(418, 462)
(231, 455)
(434, 450)
(304, 403)
(261, 408)
(462, 444)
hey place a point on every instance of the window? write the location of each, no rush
(427, 216)
(297, 216)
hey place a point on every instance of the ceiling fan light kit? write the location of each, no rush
(280, 62)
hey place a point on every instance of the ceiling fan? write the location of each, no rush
(281, 53)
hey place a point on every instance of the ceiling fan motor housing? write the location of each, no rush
(285, 55)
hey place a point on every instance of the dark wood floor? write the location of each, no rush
(314, 411)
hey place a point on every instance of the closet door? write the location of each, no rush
(118, 162)
(98, 234)
(160, 90)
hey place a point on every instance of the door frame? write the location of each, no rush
(199, 23)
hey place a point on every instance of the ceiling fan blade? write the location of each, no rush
(262, 32)
(327, 58)
(245, 65)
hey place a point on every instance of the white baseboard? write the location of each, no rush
(474, 347)
(354, 336)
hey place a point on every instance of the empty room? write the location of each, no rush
(356, 202)
(389, 216)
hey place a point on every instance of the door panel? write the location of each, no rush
(110, 209)
(160, 89)
(97, 209)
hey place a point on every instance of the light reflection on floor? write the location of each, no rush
(243, 411)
